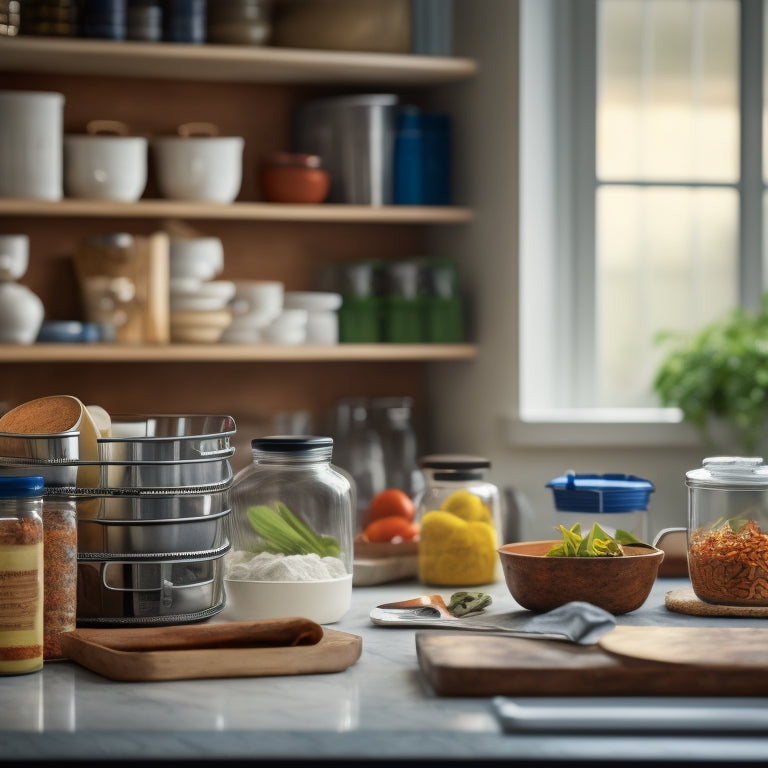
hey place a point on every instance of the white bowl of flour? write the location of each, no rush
(267, 586)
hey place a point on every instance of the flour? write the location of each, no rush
(271, 567)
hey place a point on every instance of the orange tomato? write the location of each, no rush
(391, 502)
(391, 527)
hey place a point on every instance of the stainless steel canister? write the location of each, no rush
(355, 136)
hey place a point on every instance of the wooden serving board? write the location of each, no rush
(628, 661)
(291, 646)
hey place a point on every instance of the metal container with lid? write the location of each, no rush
(728, 530)
(460, 513)
(614, 501)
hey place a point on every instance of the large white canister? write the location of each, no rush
(31, 140)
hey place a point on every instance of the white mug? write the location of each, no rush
(14, 256)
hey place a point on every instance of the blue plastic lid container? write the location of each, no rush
(600, 493)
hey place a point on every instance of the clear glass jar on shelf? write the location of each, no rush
(461, 518)
(291, 531)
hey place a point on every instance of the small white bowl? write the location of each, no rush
(258, 297)
(105, 167)
(201, 258)
(324, 601)
(312, 301)
(199, 327)
(207, 168)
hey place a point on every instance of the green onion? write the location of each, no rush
(283, 533)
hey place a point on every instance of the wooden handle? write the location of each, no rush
(264, 633)
(114, 127)
(198, 129)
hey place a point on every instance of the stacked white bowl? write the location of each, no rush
(200, 305)
(255, 306)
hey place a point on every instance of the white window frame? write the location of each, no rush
(557, 233)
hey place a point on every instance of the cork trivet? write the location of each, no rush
(684, 600)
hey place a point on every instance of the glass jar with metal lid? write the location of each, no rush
(728, 530)
(460, 514)
(291, 530)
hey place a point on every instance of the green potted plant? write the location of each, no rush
(719, 376)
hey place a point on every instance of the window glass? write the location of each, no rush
(666, 259)
(667, 90)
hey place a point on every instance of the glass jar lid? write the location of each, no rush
(729, 472)
(23, 486)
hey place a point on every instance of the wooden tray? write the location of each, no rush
(628, 661)
(292, 646)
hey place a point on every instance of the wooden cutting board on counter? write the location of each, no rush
(268, 647)
(628, 661)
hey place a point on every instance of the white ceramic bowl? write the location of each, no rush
(208, 295)
(324, 601)
(199, 327)
(14, 256)
(204, 168)
(312, 301)
(105, 167)
(259, 296)
(201, 258)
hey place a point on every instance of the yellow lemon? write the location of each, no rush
(467, 506)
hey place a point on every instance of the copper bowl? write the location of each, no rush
(616, 584)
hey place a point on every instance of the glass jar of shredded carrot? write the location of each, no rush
(21, 575)
(728, 531)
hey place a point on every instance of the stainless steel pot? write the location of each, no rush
(151, 537)
(141, 592)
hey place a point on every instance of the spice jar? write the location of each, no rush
(294, 178)
(21, 574)
(728, 530)
(291, 531)
(461, 522)
(60, 571)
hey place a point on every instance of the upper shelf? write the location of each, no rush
(231, 63)
(206, 353)
(161, 209)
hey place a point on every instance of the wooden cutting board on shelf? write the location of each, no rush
(628, 661)
(269, 647)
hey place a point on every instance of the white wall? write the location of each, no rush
(470, 400)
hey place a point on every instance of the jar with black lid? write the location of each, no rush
(291, 530)
(21, 574)
(460, 513)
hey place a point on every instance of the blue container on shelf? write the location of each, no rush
(422, 173)
(613, 501)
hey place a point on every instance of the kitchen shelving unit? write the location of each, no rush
(247, 91)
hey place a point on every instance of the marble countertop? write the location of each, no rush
(381, 708)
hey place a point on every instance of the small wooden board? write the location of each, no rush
(291, 646)
(633, 662)
(684, 600)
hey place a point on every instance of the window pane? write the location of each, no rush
(667, 259)
(667, 90)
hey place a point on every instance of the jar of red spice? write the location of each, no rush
(294, 178)
(59, 571)
(728, 530)
(21, 575)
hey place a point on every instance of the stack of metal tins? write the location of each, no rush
(152, 535)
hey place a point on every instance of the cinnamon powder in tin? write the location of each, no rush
(43, 416)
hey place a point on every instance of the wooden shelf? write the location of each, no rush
(231, 63)
(164, 353)
(161, 209)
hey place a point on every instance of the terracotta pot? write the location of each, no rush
(294, 178)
